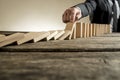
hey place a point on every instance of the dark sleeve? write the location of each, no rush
(87, 7)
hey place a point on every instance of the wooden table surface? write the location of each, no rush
(96, 58)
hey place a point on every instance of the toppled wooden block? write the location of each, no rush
(2, 37)
(65, 35)
(52, 34)
(42, 35)
(11, 39)
(33, 36)
(59, 34)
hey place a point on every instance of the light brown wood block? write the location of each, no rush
(52, 34)
(59, 34)
(74, 33)
(11, 39)
(42, 36)
(70, 27)
(65, 35)
(90, 30)
(93, 30)
(84, 30)
(79, 30)
(34, 36)
(108, 28)
(2, 37)
(87, 29)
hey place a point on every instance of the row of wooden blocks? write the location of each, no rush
(71, 31)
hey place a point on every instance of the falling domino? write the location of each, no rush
(2, 37)
(11, 39)
(74, 33)
(52, 34)
(59, 34)
(65, 35)
(71, 31)
(70, 27)
(34, 36)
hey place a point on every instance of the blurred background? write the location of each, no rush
(34, 15)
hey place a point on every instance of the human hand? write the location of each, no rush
(71, 15)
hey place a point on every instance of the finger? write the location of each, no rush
(78, 16)
(68, 15)
(72, 16)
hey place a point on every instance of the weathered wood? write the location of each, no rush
(60, 66)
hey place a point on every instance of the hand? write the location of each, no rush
(71, 15)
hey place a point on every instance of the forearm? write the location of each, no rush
(87, 7)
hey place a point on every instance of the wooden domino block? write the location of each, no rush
(52, 34)
(87, 29)
(84, 30)
(2, 37)
(34, 36)
(11, 39)
(42, 35)
(65, 35)
(74, 33)
(59, 34)
(109, 28)
(79, 30)
(70, 27)
(90, 30)
(94, 29)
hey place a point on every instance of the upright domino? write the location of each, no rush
(79, 30)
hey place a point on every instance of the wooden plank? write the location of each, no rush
(60, 66)
(52, 34)
(70, 27)
(11, 39)
(34, 36)
(65, 35)
(60, 33)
